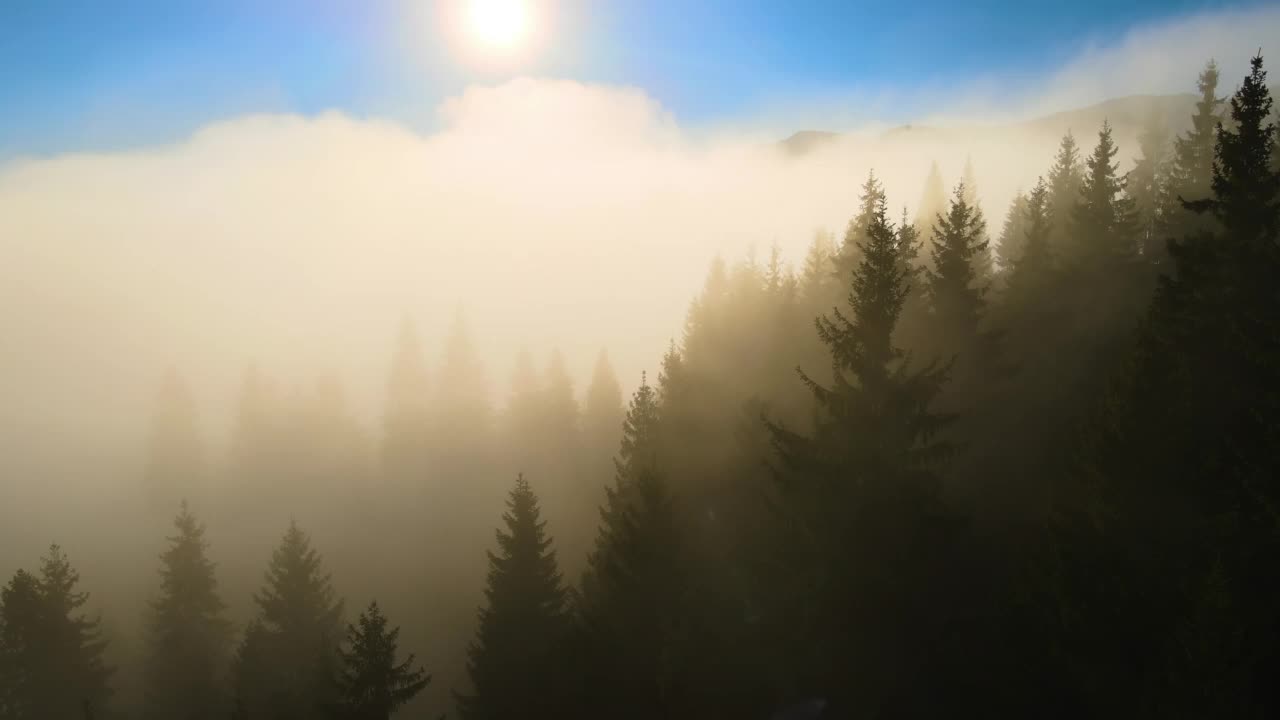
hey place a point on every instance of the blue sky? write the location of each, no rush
(94, 75)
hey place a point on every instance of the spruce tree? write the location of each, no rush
(1147, 184)
(630, 618)
(1029, 271)
(512, 664)
(1175, 576)
(285, 666)
(873, 201)
(865, 478)
(461, 414)
(1191, 174)
(560, 413)
(1065, 178)
(51, 656)
(371, 683)
(189, 638)
(1103, 233)
(817, 284)
(933, 202)
(955, 284)
(602, 412)
(1013, 233)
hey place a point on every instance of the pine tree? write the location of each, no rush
(255, 446)
(817, 283)
(1147, 184)
(1185, 594)
(863, 479)
(1102, 224)
(512, 662)
(630, 613)
(406, 421)
(51, 657)
(285, 665)
(372, 684)
(933, 202)
(1029, 271)
(602, 413)
(1191, 174)
(1013, 233)
(856, 234)
(559, 416)
(956, 287)
(175, 459)
(21, 647)
(1065, 178)
(523, 403)
(461, 412)
(189, 638)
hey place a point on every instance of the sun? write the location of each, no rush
(498, 24)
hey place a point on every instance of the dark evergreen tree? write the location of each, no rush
(1167, 534)
(1103, 237)
(371, 683)
(514, 662)
(630, 614)
(51, 656)
(955, 285)
(873, 201)
(189, 639)
(285, 667)
(864, 479)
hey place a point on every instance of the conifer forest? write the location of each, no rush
(970, 453)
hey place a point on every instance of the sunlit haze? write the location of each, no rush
(854, 359)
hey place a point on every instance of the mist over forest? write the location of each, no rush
(616, 416)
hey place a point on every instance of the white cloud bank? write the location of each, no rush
(557, 213)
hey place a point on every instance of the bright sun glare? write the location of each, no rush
(498, 24)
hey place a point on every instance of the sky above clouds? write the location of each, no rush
(87, 75)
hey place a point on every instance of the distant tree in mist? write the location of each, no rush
(51, 655)
(1191, 171)
(817, 275)
(462, 414)
(189, 639)
(514, 664)
(372, 682)
(602, 412)
(560, 413)
(175, 454)
(286, 664)
(955, 283)
(405, 424)
(1012, 233)
(1148, 185)
(1028, 276)
(1065, 177)
(933, 202)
